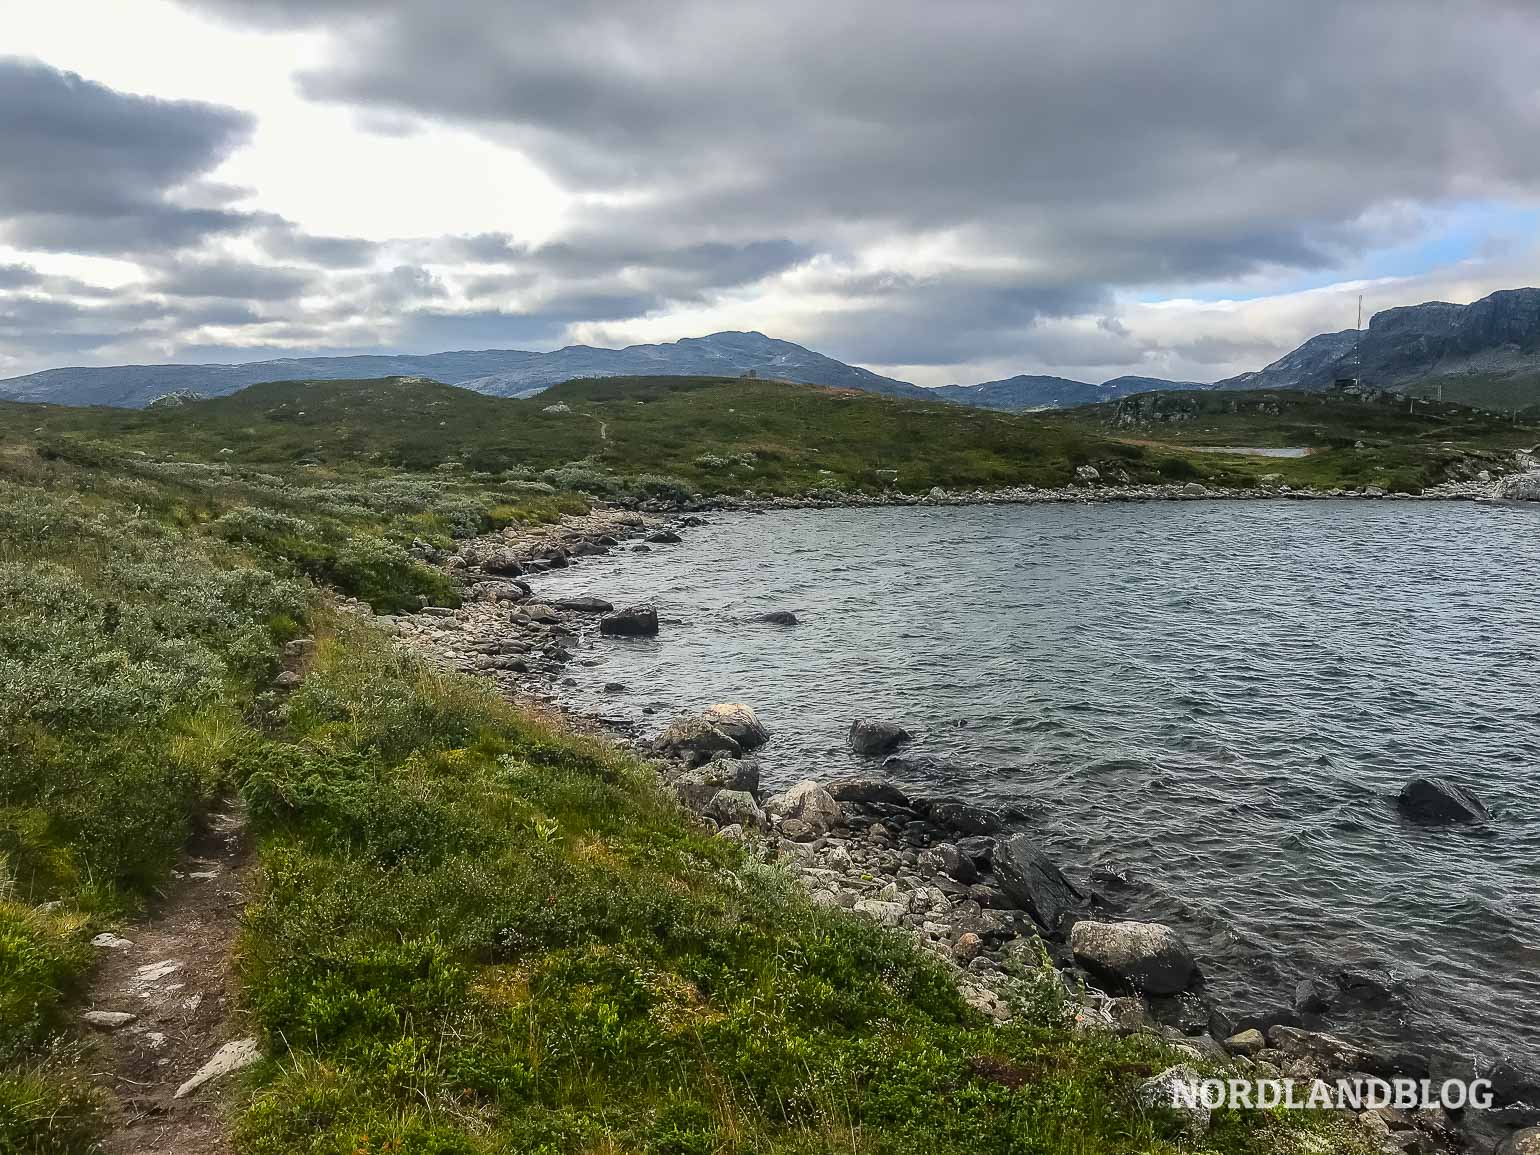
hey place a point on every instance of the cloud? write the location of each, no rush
(91, 170)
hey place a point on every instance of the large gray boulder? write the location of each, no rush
(1031, 880)
(866, 791)
(807, 801)
(739, 723)
(1161, 1093)
(735, 807)
(1146, 956)
(503, 562)
(1438, 800)
(1525, 1142)
(1520, 487)
(697, 786)
(635, 622)
(870, 736)
(694, 739)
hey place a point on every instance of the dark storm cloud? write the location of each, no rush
(89, 170)
(1110, 144)
(233, 279)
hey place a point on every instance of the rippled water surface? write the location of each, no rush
(1217, 699)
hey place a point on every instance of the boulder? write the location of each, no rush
(1520, 487)
(956, 864)
(1146, 956)
(696, 740)
(1437, 800)
(1312, 997)
(739, 723)
(1525, 1142)
(663, 537)
(869, 736)
(636, 622)
(1031, 880)
(884, 913)
(866, 791)
(778, 618)
(696, 787)
(585, 605)
(1247, 1042)
(1160, 1093)
(503, 562)
(954, 814)
(808, 801)
(735, 807)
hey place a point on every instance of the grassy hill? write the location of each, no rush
(674, 436)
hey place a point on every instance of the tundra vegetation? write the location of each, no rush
(473, 930)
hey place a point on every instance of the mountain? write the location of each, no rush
(1028, 391)
(1486, 353)
(719, 355)
(502, 372)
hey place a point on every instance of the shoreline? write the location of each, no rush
(878, 852)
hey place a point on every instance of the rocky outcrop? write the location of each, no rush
(738, 722)
(1438, 801)
(697, 786)
(1520, 487)
(870, 736)
(1145, 956)
(1031, 880)
(635, 622)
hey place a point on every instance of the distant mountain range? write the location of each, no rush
(1486, 353)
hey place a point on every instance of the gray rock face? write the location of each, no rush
(1438, 800)
(869, 736)
(739, 723)
(696, 740)
(1160, 1092)
(697, 787)
(636, 622)
(864, 791)
(1520, 487)
(1031, 880)
(735, 807)
(585, 605)
(503, 562)
(1146, 956)
(964, 818)
(808, 801)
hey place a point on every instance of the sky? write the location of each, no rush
(941, 192)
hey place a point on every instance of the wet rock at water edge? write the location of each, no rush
(663, 537)
(1520, 487)
(870, 736)
(778, 618)
(867, 791)
(738, 722)
(585, 605)
(1370, 986)
(1031, 880)
(1436, 801)
(503, 562)
(807, 802)
(963, 817)
(1146, 956)
(635, 622)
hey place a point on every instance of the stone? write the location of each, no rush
(663, 537)
(866, 791)
(286, 679)
(797, 830)
(1033, 882)
(635, 622)
(233, 1056)
(696, 740)
(967, 947)
(1525, 1142)
(1129, 1015)
(1246, 1042)
(955, 864)
(109, 941)
(870, 736)
(735, 807)
(778, 618)
(108, 1020)
(1438, 800)
(1369, 986)
(954, 814)
(698, 786)
(884, 913)
(1339, 1054)
(503, 562)
(739, 723)
(1146, 956)
(732, 833)
(1161, 1092)
(1312, 997)
(1087, 473)
(808, 801)
(1520, 487)
(585, 605)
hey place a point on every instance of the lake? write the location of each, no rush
(1217, 701)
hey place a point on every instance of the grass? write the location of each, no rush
(473, 931)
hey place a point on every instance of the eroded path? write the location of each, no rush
(172, 974)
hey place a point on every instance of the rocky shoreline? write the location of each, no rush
(967, 883)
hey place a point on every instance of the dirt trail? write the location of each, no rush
(176, 980)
